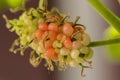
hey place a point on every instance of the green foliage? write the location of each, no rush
(15, 3)
(114, 49)
(2, 4)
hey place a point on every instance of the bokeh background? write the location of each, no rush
(103, 68)
(15, 67)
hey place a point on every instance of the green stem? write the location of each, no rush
(108, 15)
(104, 42)
(43, 4)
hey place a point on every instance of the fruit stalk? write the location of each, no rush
(104, 42)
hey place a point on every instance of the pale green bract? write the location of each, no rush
(24, 27)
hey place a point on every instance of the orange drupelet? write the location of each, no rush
(48, 44)
(52, 35)
(67, 43)
(53, 27)
(38, 34)
(67, 29)
(60, 36)
(43, 26)
(50, 53)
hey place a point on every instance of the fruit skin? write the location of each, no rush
(76, 44)
(15, 3)
(67, 29)
(64, 51)
(50, 53)
(75, 53)
(48, 44)
(60, 36)
(43, 26)
(38, 34)
(114, 49)
(53, 27)
(52, 35)
(89, 55)
(73, 63)
(67, 43)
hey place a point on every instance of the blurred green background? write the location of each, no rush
(6, 4)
